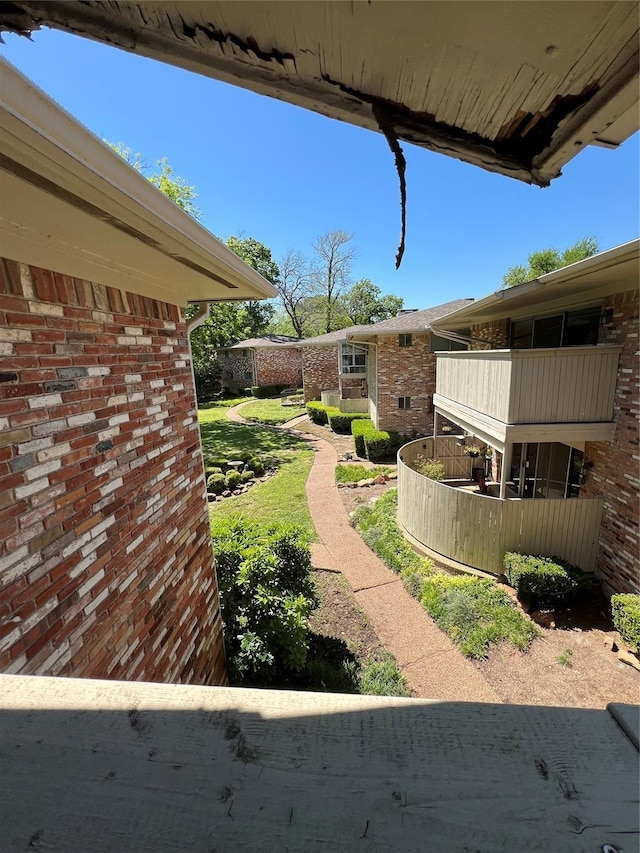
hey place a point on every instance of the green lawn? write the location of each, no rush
(271, 412)
(282, 498)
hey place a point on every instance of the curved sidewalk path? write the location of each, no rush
(432, 665)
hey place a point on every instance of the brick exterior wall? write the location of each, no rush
(278, 366)
(614, 475)
(406, 372)
(319, 370)
(496, 332)
(236, 370)
(106, 568)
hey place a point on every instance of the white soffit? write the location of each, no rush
(70, 204)
(517, 87)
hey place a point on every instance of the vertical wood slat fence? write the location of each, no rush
(477, 530)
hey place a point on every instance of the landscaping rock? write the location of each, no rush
(226, 494)
(392, 475)
(352, 485)
(630, 659)
(365, 483)
(380, 480)
(341, 485)
(237, 492)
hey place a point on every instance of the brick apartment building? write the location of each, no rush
(268, 360)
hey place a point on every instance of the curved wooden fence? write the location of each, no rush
(478, 530)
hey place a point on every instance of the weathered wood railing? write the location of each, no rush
(478, 530)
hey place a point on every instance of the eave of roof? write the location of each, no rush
(614, 270)
(517, 88)
(269, 341)
(71, 204)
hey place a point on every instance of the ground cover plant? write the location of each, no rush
(473, 611)
(355, 473)
(271, 412)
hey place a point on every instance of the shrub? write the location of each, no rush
(266, 595)
(380, 444)
(625, 610)
(262, 391)
(257, 466)
(232, 480)
(207, 379)
(430, 468)
(544, 580)
(360, 428)
(341, 421)
(354, 473)
(247, 475)
(317, 412)
(216, 483)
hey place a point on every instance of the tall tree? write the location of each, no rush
(547, 260)
(332, 269)
(258, 314)
(365, 303)
(296, 287)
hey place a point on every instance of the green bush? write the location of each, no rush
(359, 429)
(232, 480)
(353, 473)
(317, 412)
(216, 483)
(341, 421)
(247, 475)
(544, 580)
(260, 392)
(380, 444)
(266, 595)
(207, 379)
(430, 468)
(625, 610)
(257, 466)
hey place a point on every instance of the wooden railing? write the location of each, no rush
(478, 530)
(573, 384)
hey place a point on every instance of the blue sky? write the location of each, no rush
(283, 175)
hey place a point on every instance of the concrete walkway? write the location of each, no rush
(430, 662)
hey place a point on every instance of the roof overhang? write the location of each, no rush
(70, 204)
(517, 88)
(614, 271)
(499, 434)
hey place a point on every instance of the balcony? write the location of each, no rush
(451, 517)
(347, 400)
(573, 385)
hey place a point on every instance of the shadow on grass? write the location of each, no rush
(224, 438)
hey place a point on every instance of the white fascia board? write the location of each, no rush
(47, 148)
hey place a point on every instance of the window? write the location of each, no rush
(404, 402)
(353, 358)
(576, 328)
(439, 344)
(404, 340)
(546, 470)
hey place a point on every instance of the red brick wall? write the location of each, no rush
(406, 372)
(614, 475)
(496, 332)
(106, 568)
(236, 370)
(319, 370)
(279, 366)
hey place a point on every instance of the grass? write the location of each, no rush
(282, 498)
(382, 677)
(271, 412)
(473, 611)
(354, 473)
(565, 658)
(217, 410)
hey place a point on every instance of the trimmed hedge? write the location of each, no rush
(625, 610)
(318, 413)
(260, 392)
(380, 444)
(359, 429)
(547, 580)
(341, 421)
(216, 483)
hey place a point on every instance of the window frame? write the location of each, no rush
(404, 404)
(405, 340)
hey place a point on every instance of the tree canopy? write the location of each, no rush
(547, 260)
